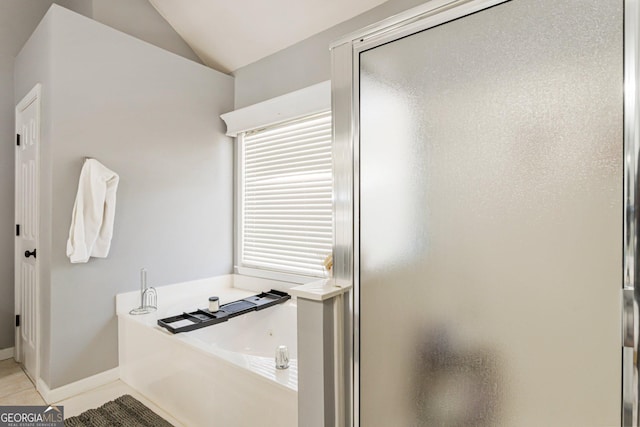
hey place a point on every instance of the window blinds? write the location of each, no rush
(287, 197)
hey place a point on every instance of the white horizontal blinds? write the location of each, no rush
(287, 196)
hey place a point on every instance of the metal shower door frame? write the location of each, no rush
(345, 68)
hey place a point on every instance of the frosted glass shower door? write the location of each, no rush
(491, 174)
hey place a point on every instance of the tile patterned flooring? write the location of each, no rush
(17, 389)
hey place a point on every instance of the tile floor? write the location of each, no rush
(15, 386)
(17, 389)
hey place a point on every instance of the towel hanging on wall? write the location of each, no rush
(93, 213)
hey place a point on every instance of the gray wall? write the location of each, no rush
(141, 20)
(6, 195)
(152, 117)
(304, 63)
(18, 19)
(35, 66)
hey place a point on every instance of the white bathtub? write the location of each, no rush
(219, 375)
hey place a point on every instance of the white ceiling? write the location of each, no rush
(229, 34)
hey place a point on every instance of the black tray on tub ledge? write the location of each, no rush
(202, 318)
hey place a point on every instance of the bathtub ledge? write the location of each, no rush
(320, 290)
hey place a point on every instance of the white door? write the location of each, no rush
(26, 263)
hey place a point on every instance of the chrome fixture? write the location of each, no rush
(148, 296)
(282, 357)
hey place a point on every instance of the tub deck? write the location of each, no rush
(226, 369)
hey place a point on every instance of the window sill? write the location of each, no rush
(288, 280)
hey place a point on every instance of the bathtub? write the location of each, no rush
(219, 375)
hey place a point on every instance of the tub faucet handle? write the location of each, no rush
(282, 357)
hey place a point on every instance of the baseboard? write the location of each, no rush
(6, 353)
(70, 390)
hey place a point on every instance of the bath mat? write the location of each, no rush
(125, 411)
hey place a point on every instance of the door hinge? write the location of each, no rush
(17, 229)
(628, 320)
(17, 320)
(18, 139)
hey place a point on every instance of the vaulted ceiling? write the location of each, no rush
(229, 34)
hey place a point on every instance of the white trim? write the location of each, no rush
(34, 95)
(75, 388)
(320, 290)
(294, 279)
(6, 353)
(304, 102)
(238, 193)
(259, 284)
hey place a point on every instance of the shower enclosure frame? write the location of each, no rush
(345, 55)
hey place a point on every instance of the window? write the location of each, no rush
(285, 221)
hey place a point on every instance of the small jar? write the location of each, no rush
(214, 304)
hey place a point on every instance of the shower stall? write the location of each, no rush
(485, 157)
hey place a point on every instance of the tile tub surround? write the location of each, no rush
(214, 371)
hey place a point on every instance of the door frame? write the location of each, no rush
(34, 95)
(345, 66)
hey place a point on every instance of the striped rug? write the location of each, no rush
(125, 411)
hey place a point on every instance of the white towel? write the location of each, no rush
(93, 213)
